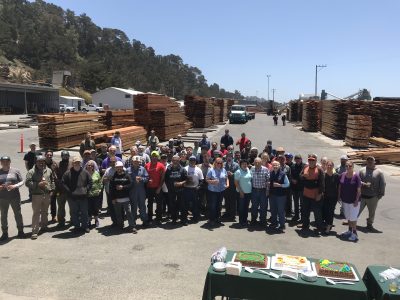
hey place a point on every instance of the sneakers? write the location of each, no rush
(87, 229)
(134, 230)
(4, 236)
(21, 234)
(353, 237)
(34, 236)
(346, 234)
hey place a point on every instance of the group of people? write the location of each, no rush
(183, 181)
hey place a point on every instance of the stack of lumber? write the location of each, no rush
(334, 118)
(386, 119)
(294, 111)
(216, 111)
(129, 135)
(382, 142)
(358, 131)
(224, 110)
(200, 111)
(114, 119)
(162, 114)
(311, 115)
(382, 155)
(300, 111)
(58, 131)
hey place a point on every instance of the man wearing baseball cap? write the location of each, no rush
(156, 171)
(193, 182)
(40, 181)
(77, 183)
(10, 182)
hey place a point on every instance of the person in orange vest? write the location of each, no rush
(312, 177)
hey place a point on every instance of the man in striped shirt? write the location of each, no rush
(260, 179)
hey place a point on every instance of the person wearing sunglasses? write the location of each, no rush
(350, 193)
(217, 179)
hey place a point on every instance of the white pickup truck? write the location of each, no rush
(67, 108)
(92, 107)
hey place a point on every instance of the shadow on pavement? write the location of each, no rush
(68, 235)
(307, 233)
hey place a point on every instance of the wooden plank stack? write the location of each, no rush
(200, 111)
(114, 119)
(382, 142)
(358, 130)
(162, 114)
(334, 118)
(311, 119)
(294, 111)
(58, 131)
(129, 135)
(382, 155)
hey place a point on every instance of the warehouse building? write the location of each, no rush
(76, 102)
(115, 98)
(29, 99)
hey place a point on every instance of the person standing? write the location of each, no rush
(153, 140)
(137, 192)
(156, 171)
(330, 195)
(119, 192)
(63, 166)
(204, 142)
(218, 182)
(108, 174)
(226, 139)
(296, 186)
(77, 183)
(192, 184)
(313, 182)
(279, 182)
(342, 168)
(243, 178)
(95, 193)
(87, 144)
(10, 182)
(40, 182)
(283, 118)
(373, 186)
(112, 150)
(260, 183)
(350, 192)
(230, 194)
(242, 142)
(51, 164)
(205, 167)
(117, 142)
(175, 178)
(30, 160)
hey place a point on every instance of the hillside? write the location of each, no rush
(45, 37)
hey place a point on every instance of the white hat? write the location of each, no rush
(119, 164)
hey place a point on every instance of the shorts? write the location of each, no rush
(351, 211)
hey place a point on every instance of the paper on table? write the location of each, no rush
(390, 274)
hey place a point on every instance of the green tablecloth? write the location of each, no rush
(260, 286)
(376, 289)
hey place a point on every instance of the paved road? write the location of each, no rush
(171, 263)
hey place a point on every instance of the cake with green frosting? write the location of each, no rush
(328, 268)
(251, 259)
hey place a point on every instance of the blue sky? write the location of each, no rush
(237, 43)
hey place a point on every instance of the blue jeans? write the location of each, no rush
(137, 196)
(190, 196)
(259, 199)
(215, 205)
(244, 208)
(277, 204)
(79, 212)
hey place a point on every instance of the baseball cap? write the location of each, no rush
(119, 164)
(32, 143)
(192, 157)
(280, 149)
(290, 155)
(344, 157)
(371, 158)
(40, 158)
(297, 156)
(155, 153)
(5, 157)
(76, 159)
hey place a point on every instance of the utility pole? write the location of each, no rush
(273, 98)
(268, 76)
(317, 69)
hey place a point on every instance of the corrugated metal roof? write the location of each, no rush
(71, 98)
(131, 92)
(21, 87)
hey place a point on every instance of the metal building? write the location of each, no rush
(29, 99)
(115, 98)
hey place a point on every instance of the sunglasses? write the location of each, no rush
(218, 163)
